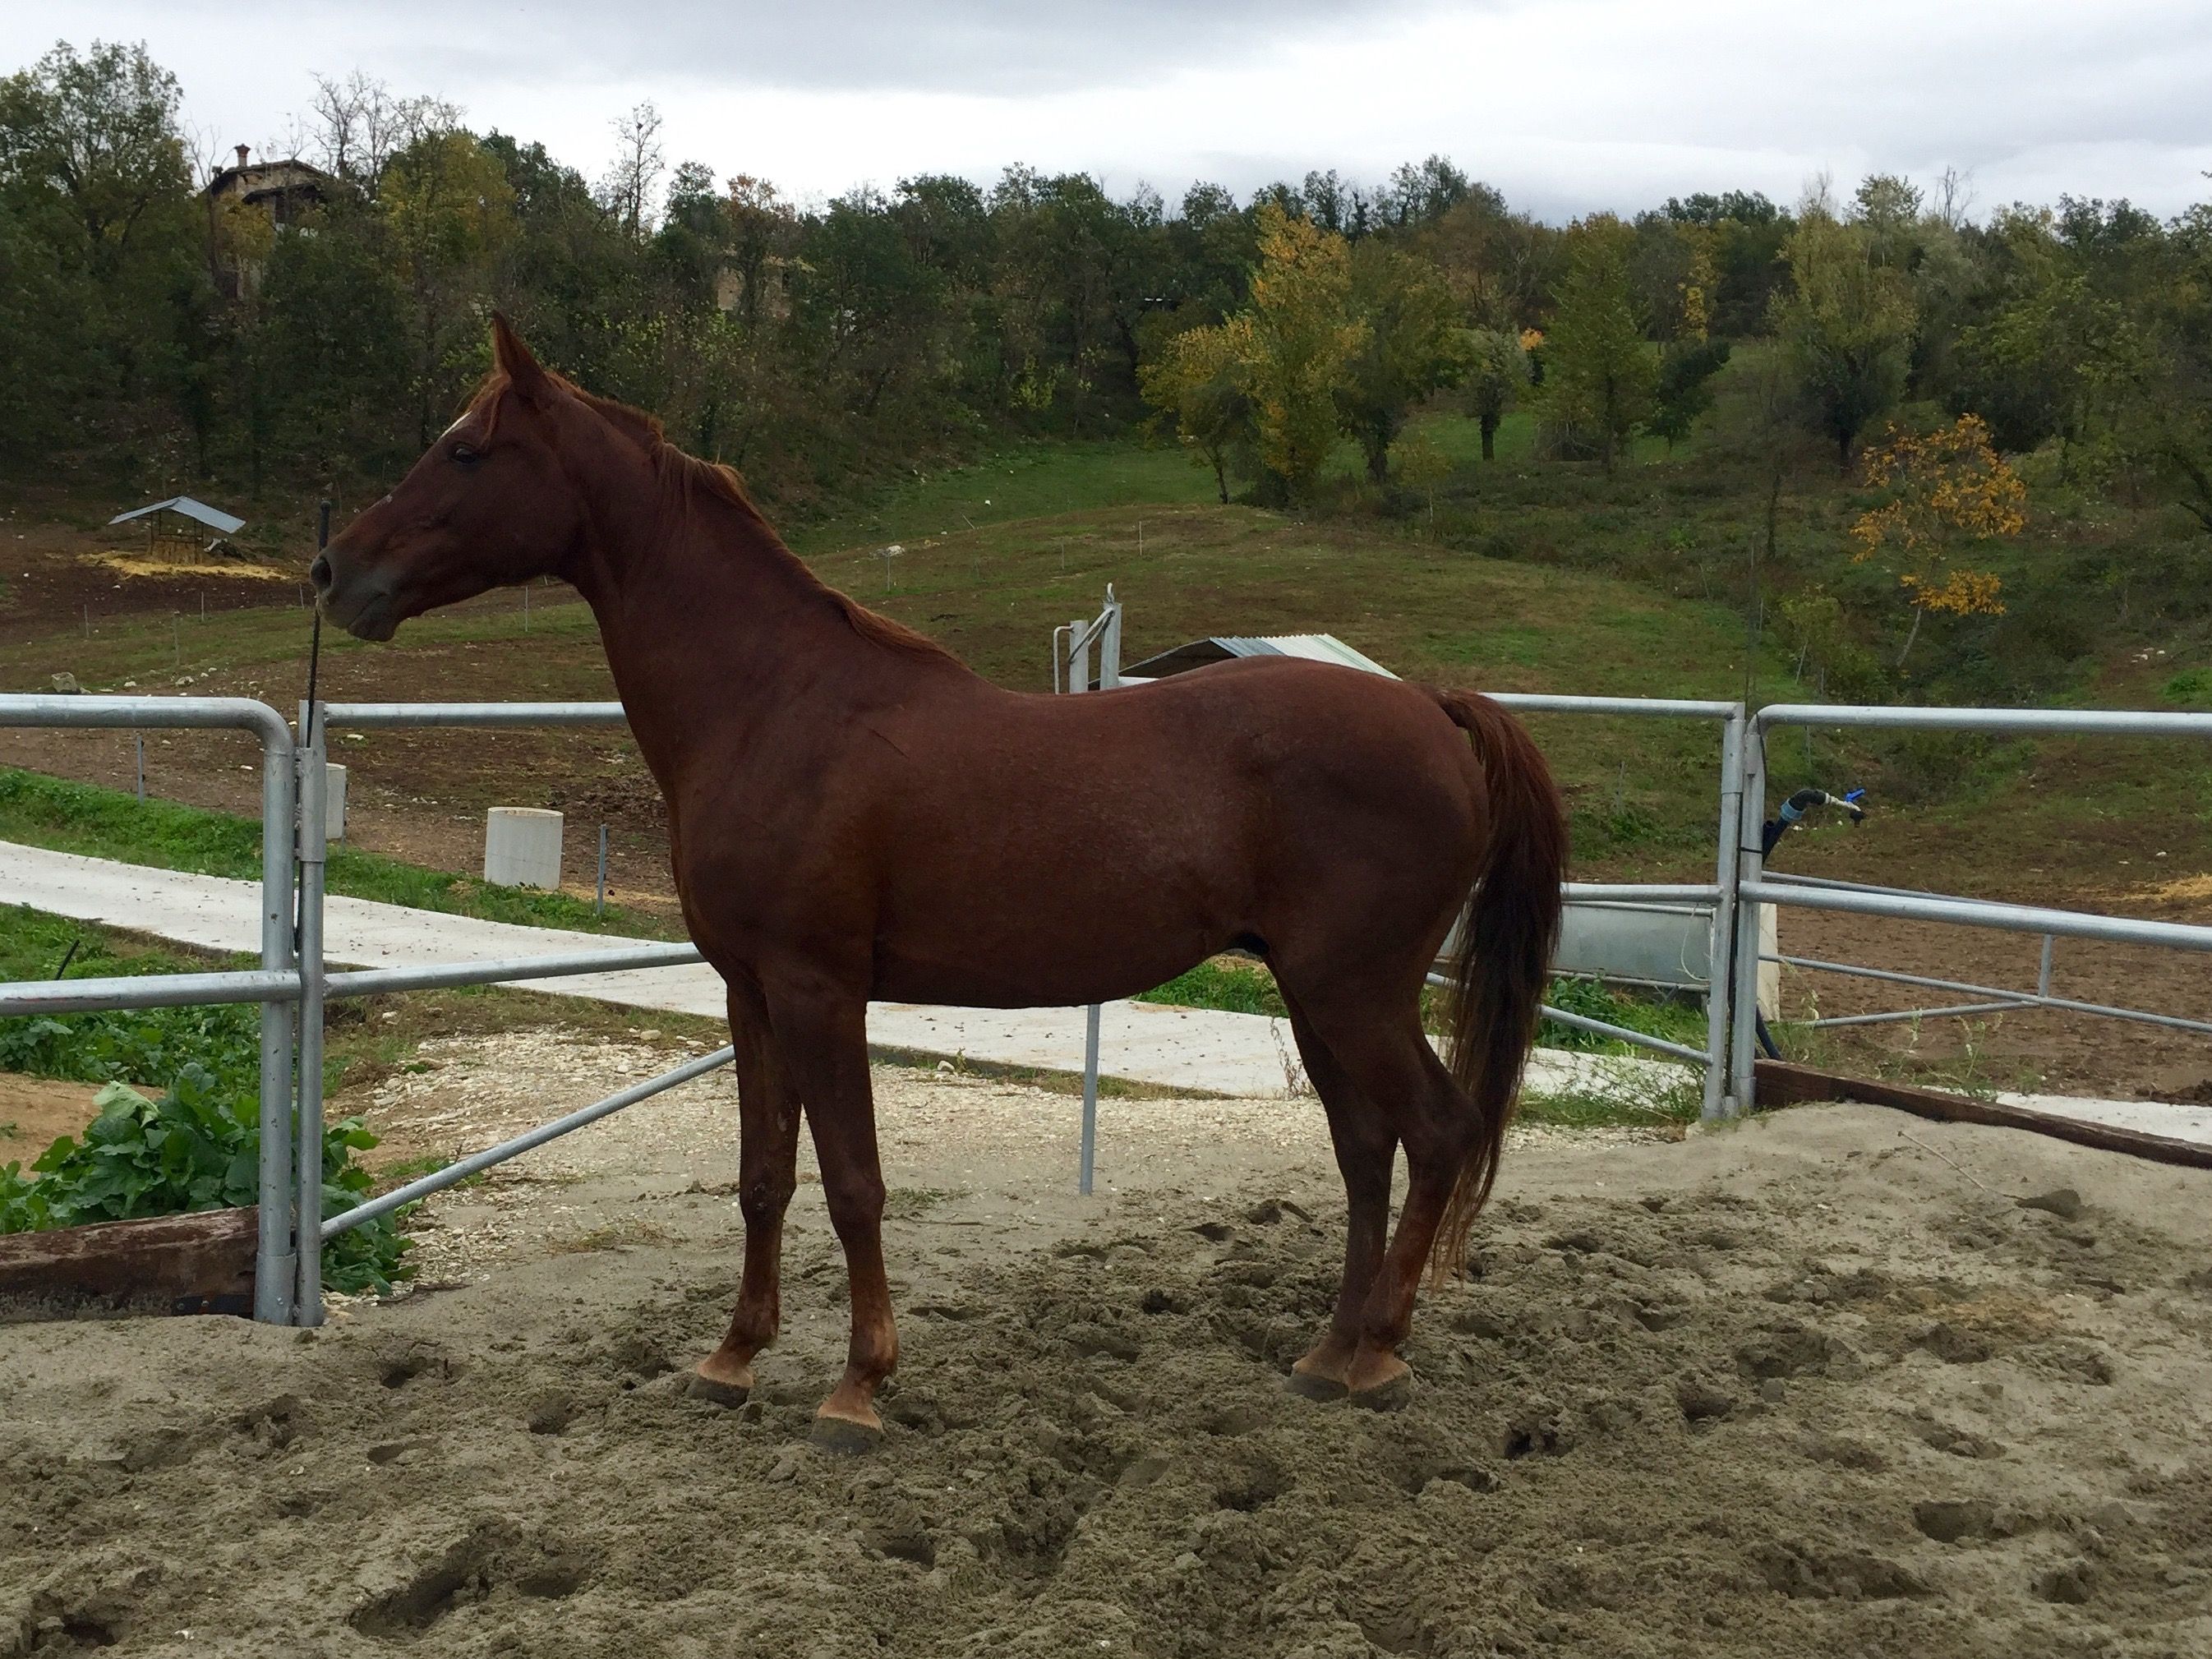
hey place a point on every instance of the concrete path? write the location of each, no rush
(1243, 1054)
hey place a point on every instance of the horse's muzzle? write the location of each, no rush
(362, 604)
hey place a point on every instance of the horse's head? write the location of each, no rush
(487, 505)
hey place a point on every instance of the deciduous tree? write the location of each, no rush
(1414, 345)
(1846, 324)
(639, 160)
(1599, 370)
(1300, 339)
(1497, 376)
(1945, 488)
(1199, 380)
(451, 214)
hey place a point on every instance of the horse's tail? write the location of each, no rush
(1503, 957)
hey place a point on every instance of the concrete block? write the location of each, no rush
(522, 847)
(1661, 947)
(1665, 947)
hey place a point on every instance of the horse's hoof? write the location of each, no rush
(1312, 1385)
(841, 1437)
(711, 1392)
(1390, 1394)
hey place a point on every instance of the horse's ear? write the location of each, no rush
(513, 358)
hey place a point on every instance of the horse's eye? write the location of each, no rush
(462, 455)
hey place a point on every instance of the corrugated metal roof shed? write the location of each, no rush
(1316, 647)
(214, 517)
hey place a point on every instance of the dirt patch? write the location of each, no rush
(2033, 1050)
(61, 581)
(1798, 1388)
(36, 1111)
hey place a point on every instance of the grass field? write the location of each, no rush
(1530, 576)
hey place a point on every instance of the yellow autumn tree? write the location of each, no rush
(1199, 380)
(1946, 488)
(1700, 284)
(1297, 341)
(1264, 384)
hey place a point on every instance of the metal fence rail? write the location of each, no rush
(316, 984)
(1754, 888)
(459, 1170)
(1717, 1101)
(293, 983)
(2040, 998)
(80, 996)
(498, 971)
(276, 988)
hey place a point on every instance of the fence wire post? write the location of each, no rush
(1087, 1164)
(599, 904)
(1070, 653)
(1743, 1042)
(1109, 642)
(313, 850)
(1721, 1100)
(274, 1267)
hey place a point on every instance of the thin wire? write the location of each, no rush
(307, 724)
(315, 633)
(315, 666)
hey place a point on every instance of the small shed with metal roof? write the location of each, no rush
(1220, 648)
(178, 527)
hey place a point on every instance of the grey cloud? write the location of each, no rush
(992, 47)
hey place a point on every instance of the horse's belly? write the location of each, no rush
(991, 953)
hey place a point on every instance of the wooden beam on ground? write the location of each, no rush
(1780, 1084)
(191, 1264)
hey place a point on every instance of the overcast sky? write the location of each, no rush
(1565, 105)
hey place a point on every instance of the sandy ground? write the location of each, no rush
(1816, 1385)
(35, 1111)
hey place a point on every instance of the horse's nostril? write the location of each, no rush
(319, 573)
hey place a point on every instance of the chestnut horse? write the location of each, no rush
(853, 814)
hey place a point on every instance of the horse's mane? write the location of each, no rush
(686, 477)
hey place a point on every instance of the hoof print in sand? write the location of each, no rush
(486, 1562)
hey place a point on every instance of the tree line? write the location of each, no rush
(161, 337)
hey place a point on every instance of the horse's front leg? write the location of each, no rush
(822, 1035)
(767, 1167)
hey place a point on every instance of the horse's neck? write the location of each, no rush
(713, 632)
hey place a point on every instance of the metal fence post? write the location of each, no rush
(313, 851)
(1071, 672)
(1719, 1099)
(1087, 1161)
(1109, 642)
(1743, 1041)
(274, 1267)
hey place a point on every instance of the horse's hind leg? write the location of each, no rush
(1366, 1147)
(1379, 1045)
(768, 1160)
